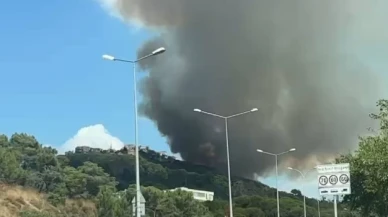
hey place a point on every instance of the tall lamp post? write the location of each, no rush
(319, 211)
(134, 62)
(226, 118)
(303, 177)
(276, 167)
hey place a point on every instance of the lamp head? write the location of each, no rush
(254, 109)
(108, 57)
(259, 150)
(292, 149)
(158, 51)
(290, 168)
(197, 110)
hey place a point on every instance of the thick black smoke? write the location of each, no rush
(294, 60)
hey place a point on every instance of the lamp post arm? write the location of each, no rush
(214, 115)
(142, 58)
(282, 153)
(132, 61)
(235, 115)
(264, 152)
(123, 60)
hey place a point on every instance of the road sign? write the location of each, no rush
(141, 209)
(333, 168)
(333, 179)
(344, 178)
(323, 180)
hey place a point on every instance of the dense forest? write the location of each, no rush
(105, 180)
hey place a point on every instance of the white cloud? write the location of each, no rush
(96, 136)
(111, 7)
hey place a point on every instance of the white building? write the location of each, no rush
(198, 194)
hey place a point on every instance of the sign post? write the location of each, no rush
(140, 209)
(334, 179)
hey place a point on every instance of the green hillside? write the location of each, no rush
(100, 178)
(167, 173)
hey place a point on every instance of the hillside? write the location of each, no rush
(101, 184)
(166, 173)
(19, 201)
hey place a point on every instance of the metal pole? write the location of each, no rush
(304, 198)
(319, 212)
(335, 206)
(228, 162)
(136, 143)
(277, 189)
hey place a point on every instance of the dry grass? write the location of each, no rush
(14, 199)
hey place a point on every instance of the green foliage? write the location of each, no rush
(10, 171)
(3, 141)
(24, 141)
(296, 192)
(369, 169)
(171, 203)
(108, 204)
(95, 178)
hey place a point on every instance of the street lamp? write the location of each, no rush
(112, 58)
(319, 211)
(226, 118)
(276, 167)
(303, 177)
(304, 196)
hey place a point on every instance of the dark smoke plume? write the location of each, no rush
(293, 59)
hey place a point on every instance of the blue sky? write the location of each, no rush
(54, 81)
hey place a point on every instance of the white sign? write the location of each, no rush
(333, 168)
(333, 179)
(141, 209)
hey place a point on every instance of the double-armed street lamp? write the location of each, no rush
(226, 118)
(276, 168)
(303, 175)
(134, 62)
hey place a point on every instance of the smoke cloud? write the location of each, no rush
(296, 61)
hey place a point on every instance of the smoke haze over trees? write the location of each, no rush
(294, 60)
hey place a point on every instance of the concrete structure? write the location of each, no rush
(87, 149)
(129, 149)
(198, 194)
(144, 149)
(82, 149)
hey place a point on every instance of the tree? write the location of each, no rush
(296, 192)
(24, 141)
(75, 182)
(369, 169)
(3, 140)
(185, 204)
(107, 205)
(10, 170)
(96, 178)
